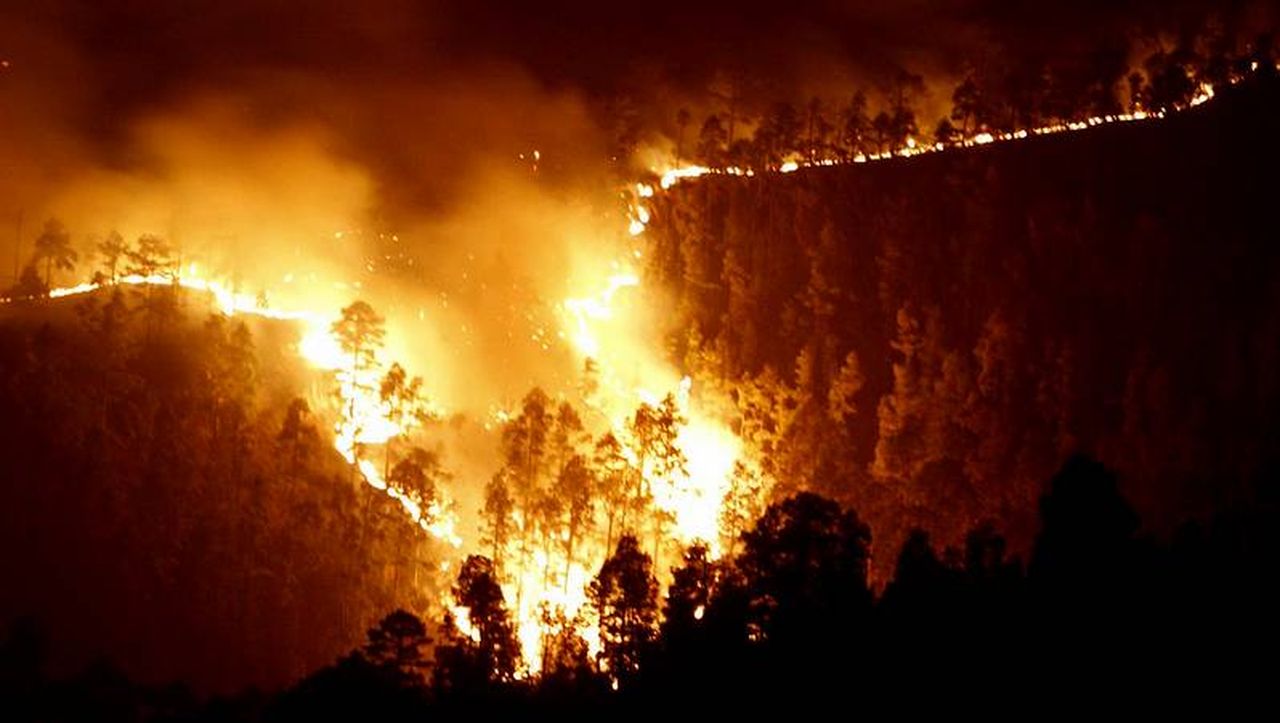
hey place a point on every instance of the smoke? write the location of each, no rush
(416, 94)
(386, 149)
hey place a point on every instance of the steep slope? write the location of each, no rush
(1114, 290)
(168, 500)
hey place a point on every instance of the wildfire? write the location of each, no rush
(630, 373)
(670, 177)
(363, 417)
(688, 498)
(692, 499)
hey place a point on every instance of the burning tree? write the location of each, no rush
(574, 487)
(525, 443)
(654, 430)
(419, 476)
(499, 511)
(614, 475)
(692, 588)
(742, 503)
(360, 332)
(405, 402)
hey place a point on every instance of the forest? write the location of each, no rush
(166, 462)
(1009, 416)
(163, 462)
(1097, 610)
(951, 327)
(1001, 91)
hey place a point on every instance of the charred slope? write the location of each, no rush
(166, 504)
(1115, 291)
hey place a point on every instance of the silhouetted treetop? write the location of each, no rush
(397, 646)
(1087, 527)
(805, 567)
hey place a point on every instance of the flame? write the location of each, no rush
(630, 370)
(588, 312)
(911, 147)
(630, 373)
(363, 418)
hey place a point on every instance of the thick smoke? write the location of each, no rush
(416, 95)
(336, 155)
(453, 164)
(386, 149)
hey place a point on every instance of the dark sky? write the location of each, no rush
(144, 51)
(399, 85)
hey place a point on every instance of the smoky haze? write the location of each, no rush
(454, 164)
(385, 149)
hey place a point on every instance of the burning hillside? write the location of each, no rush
(365, 324)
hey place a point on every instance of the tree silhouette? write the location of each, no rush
(1171, 84)
(625, 597)
(527, 446)
(405, 404)
(614, 475)
(498, 512)
(359, 331)
(29, 284)
(298, 434)
(693, 585)
(682, 124)
(1087, 528)
(855, 126)
(743, 503)
(575, 488)
(900, 414)
(152, 256)
(778, 136)
(397, 646)
(491, 653)
(419, 475)
(817, 130)
(920, 582)
(113, 250)
(654, 431)
(53, 247)
(566, 657)
(946, 133)
(906, 88)
(805, 568)
(882, 131)
(966, 106)
(711, 142)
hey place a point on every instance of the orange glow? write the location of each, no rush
(363, 418)
(600, 324)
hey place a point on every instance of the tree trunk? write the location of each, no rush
(608, 537)
(568, 563)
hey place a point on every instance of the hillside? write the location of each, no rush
(168, 501)
(950, 327)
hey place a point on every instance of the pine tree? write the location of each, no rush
(625, 597)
